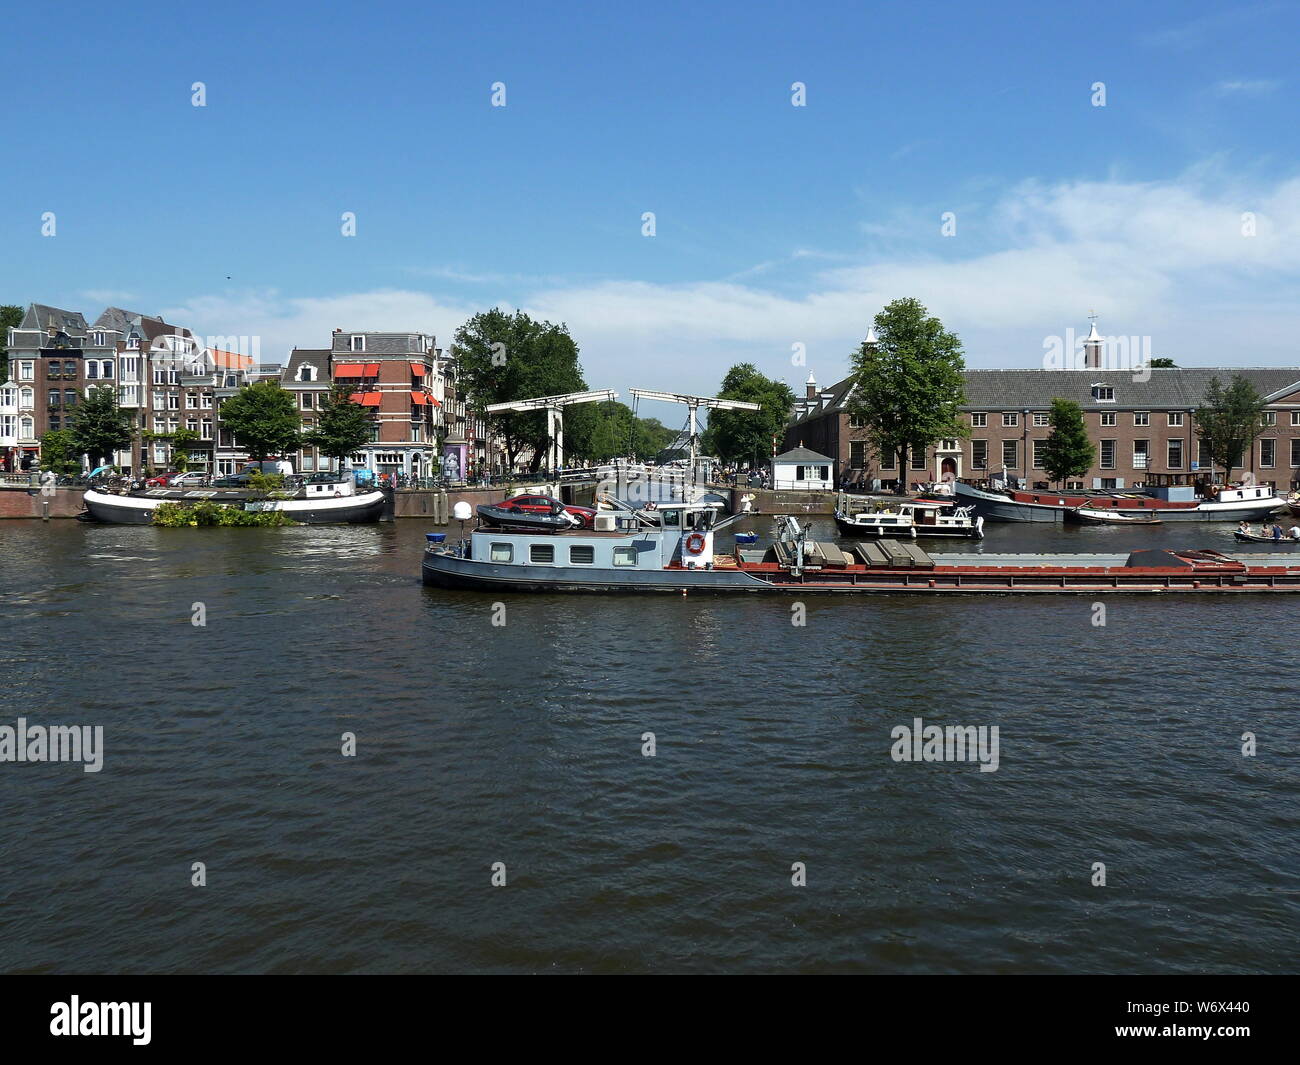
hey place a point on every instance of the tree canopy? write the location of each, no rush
(909, 383)
(264, 418)
(736, 435)
(1229, 421)
(99, 426)
(343, 425)
(59, 452)
(600, 431)
(1068, 451)
(503, 357)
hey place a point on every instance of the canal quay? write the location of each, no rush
(665, 784)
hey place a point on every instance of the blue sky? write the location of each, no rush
(775, 225)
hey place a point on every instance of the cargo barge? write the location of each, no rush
(678, 557)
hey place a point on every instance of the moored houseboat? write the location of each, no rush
(321, 500)
(860, 516)
(1174, 503)
(678, 556)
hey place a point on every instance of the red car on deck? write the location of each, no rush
(545, 504)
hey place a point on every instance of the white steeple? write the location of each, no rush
(1092, 344)
(871, 335)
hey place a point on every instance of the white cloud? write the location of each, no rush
(1258, 87)
(1162, 259)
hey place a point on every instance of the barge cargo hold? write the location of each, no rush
(679, 559)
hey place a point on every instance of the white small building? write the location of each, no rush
(803, 468)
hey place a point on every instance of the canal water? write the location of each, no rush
(523, 744)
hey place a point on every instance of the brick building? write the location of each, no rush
(1141, 428)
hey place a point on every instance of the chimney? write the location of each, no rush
(810, 388)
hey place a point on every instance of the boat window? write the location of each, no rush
(625, 556)
(503, 552)
(582, 555)
(672, 519)
(541, 552)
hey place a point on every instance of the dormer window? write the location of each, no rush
(1103, 393)
(307, 372)
(98, 340)
(358, 343)
(133, 343)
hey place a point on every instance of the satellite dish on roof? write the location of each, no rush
(461, 511)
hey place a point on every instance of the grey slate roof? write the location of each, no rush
(804, 455)
(318, 357)
(1173, 387)
(117, 320)
(41, 316)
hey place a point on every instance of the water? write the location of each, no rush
(522, 744)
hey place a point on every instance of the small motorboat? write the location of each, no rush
(746, 537)
(1256, 538)
(557, 519)
(1087, 515)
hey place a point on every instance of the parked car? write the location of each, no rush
(545, 504)
(194, 479)
(162, 480)
(233, 480)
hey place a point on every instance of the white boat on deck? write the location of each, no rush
(861, 516)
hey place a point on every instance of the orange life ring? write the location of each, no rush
(695, 543)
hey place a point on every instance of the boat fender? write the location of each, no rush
(695, 543)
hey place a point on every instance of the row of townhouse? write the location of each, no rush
(1142, 425)
(169, 379)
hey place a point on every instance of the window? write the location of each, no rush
(1203, 454)
(415, 434)
(1039, 445)
(307, 400)
(173, 401)
(9, 425)
(582, 555)
(1175, 417)
(541, 553)
(26, 371)
(1295, 417)
(26, 398)
(1268, 452)
(917, 459)
(856, 421)
(1107, 455)
(307, 372)
(133, 343)
(979, 420)
(1140, 449)
(1042, 419)
(1295, 452)
(206, 432)
(1174, 454)
(1103, 393)
(1010, 453)
(979, 454)
(28, 429)
(205, 401)
(625, 556)
(1108, 417)
(887, 462)
(191, 401)
(1270, 417)
(948, 443)
(1010, 419)
(69, 397)
(358, 343)
(857, 455)
(503, 553)
(1141, 417)
(92, 370)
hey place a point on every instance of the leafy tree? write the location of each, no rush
(504, 357)
(264, 419)
(909, 382)
(342, 426)
(181, 441)
(99, 426)
(59, 452)
(1229, 421)
(1068, 451)
(747, 434)
(9, 315)
(1162, 363)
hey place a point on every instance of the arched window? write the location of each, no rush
(307, 372)
(26, 399)
(27, 430)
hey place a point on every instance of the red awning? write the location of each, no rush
(419, 399)
(348, 369)
(417, 369)
(366, 399)
(372, 369)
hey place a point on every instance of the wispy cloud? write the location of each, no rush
(1257, 87)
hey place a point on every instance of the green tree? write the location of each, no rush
(909, 383)
(1068, 451)
(99, 426)
(503, 357)
(59, 452)
(1229, 421)
(342, 426)
(1162, 363)
(264, 419)
(181, 441)
(747, 434)
(9, 316)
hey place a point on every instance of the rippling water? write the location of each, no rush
(521, 744)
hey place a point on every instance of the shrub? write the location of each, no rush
(205, 512)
